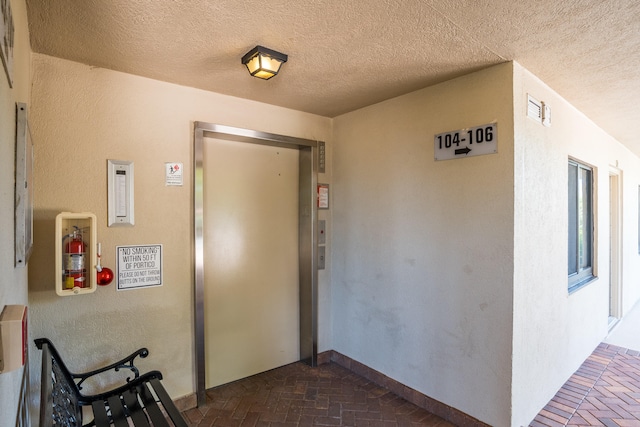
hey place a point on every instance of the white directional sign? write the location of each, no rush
(468, 142)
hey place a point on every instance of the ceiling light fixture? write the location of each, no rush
(263, 63)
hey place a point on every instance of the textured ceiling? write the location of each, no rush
(344, 55)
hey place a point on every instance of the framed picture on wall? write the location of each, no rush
(24, 188)
(6, 44)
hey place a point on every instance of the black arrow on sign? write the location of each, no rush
(465, 150)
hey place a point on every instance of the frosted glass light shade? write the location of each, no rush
(263, 63)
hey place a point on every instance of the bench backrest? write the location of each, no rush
(58, 393)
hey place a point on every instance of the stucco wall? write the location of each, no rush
(422, 255)
(554, 331)
(82, 116)
(441, 271)
(13, 281)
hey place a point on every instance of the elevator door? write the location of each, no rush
(251, 278)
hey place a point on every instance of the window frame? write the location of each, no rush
(583, 274)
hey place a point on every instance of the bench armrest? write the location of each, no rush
(79, 378)
(125, 363)
(131, 384)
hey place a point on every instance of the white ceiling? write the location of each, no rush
(346, 54)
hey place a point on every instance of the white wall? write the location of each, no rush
(434, 261)
(13, 281)
(82, 116)
(423, 250)
(554, 331)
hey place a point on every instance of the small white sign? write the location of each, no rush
(138, 266)
(467, 142)
(173, 174)
(323, 196)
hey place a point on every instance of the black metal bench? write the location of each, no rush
(141, 401)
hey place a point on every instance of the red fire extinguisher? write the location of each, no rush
(75, 271)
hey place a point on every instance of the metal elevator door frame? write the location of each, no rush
(307, 236)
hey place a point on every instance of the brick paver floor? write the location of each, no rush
(605, 391)
(298, 395)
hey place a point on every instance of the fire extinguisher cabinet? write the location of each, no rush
(76, 240)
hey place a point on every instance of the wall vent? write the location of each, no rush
(534, 109)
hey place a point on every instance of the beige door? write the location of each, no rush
(251, 259)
